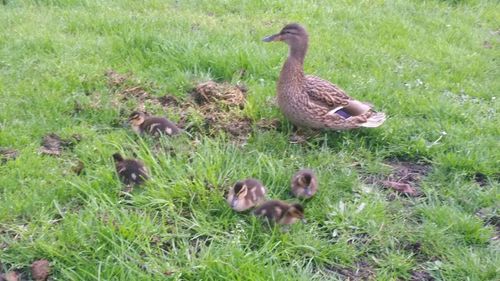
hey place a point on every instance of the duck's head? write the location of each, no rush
(296, 212)
(304, 183)
(293, 34)
(240, 191)
(136, 118)
(117, 157)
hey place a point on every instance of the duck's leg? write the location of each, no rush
(301, 135)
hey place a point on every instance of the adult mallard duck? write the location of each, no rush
(311, 102)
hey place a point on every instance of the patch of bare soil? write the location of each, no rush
(52, 144)
(269, 124)
(421, 275)
(219, 104)
(115, 79)
(7, 154)
(169, 101)
(491, 217)
(361, 271)
(404, 179)
(482, 180)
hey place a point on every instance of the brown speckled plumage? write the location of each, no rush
(246, 194)
(280, 212)
(311, 102)
(130, 171)
(304, 184)
(152, 125)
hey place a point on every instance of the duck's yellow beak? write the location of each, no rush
(275, 37)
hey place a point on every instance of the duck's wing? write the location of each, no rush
(325, 96)
(324, 93)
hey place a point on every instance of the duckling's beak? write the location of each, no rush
(303, 220)
(308, 192)
(275, 37)
(234, 202)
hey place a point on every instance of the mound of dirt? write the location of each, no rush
(361, 271)
(52, 144)
(219, 93)
(7, 154)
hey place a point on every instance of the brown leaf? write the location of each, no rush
(40, 270)
(400, 187)
(168, 273)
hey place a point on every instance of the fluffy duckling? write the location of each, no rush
(246, 194)
(130, 171)
(304, 184)
(280, 212)
(152, 125)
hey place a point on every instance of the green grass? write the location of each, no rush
(424, 63)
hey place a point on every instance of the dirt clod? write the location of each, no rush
(481, 179)
(7, 154)
(135, 92)
(403, 188)
(490, 217)
(361, 271)
(40, 270)
(169, 101)
(414, 247)
(421, 275)
(52, 144)
(239, 127)
(223, 93)
(115, 79)
(404, 178)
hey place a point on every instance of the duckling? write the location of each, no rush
(246, 194)
(130, 171)
(311, 102)
(280, 212)
(304, 184)
(152, 125)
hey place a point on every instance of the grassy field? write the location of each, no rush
(432, 66)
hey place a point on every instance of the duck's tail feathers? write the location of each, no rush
(375, 120)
